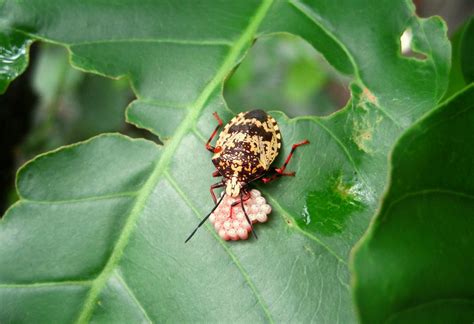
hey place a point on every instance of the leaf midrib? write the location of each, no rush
(165, 159)
(156, 40)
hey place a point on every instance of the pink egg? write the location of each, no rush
(255, 193)
(223, 235)
(240, 216)
(254, 209)
(232, 234)
(260, 200)
(230, 222)
(235, 224)
(267, 209)
(247, 226)
(262, 217)
(242, 233)
(217, 225)
(212, 218)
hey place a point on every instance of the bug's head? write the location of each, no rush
(232, 187)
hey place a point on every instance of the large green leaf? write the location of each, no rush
(462, 42)
(101, 224)
(466, 50)
(415, 265)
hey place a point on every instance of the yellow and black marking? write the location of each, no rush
(247, 147)
(244, 151)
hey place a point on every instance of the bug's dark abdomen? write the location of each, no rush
(251, 129)
(242, 159)
(247, 146)
(257, 114)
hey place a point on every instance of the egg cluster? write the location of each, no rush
(231, 223)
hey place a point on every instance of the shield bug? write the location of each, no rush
(244, 152)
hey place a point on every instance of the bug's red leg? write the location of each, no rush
(281, 171)
(216, 174)
(269, 179)
(241, 202)
(215, 186)
(209, 147)
(288, 158)
(276, 175)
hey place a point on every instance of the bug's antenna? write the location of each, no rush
(247, 216)
(204, 219)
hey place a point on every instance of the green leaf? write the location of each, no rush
(467, 48)
(101, 224)
(13, 57)
(415, 264)
(462, 59)
(456, 78)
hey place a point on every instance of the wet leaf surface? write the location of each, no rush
(13, 59)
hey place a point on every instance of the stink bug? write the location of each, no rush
(244, 152)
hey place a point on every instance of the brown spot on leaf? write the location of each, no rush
(369, 96)
(362, 135)
(342, 189)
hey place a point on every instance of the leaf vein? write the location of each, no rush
(301, 8)
(284, 214)
(344, 149)
(287, 286)
(157, 40)
(239, 266)
(132, 295)
(71, 201)
(320, 291)
(47, 284)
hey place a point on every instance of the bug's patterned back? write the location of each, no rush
(249, 144)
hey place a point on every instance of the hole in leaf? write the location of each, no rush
(407, 46)
(73, 105)
(284, 72)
